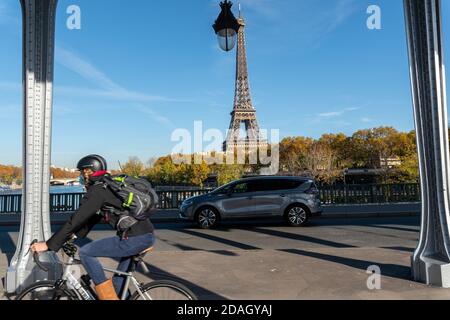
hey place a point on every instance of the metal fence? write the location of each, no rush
(172, 199)
(370, 194)
(70, 202)
(11, 203)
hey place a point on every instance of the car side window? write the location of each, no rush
(241, 188)
(269, 185)
(306, 186)
(289, 184)
(225, 190)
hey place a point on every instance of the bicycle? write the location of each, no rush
(68, 287)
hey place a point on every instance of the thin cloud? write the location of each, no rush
(336, 114)
(85, 69)
(342, 10)
(100, 93)
(314, 20)
(113, 95)
(155, 116)
(107, 87)
(330, 114)
(264, 8)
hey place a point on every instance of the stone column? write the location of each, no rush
(38, 56)
(431, 260)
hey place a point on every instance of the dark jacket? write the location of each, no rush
(89, 214)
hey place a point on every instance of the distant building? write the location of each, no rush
(64, 182)
(389, 163)
(362, 176)
(373, 175)
(71, 170)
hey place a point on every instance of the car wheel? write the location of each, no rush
(297, 216)
(207, 217)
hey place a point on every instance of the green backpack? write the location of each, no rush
(139, 199)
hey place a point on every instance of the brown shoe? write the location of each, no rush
(106, 291)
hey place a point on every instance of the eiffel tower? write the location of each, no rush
(243, 111)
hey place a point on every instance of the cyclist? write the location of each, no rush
(137, 239)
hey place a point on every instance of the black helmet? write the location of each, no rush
(93, 162)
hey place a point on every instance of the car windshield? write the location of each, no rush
(223, 189)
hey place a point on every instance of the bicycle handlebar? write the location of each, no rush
(36, 258)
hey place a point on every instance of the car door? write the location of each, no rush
(238, 202)
(268, 198)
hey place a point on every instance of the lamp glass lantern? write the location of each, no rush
(226, 27)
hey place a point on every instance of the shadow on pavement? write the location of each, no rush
(274, 222)
(389, 270)
(200, 292)
(232, 243)
(388, 222)
(395, 228)
(300, 237)
(404, 249)
(377, 234)
(159, 274)
(189, 248)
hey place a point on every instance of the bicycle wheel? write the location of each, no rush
(164, 290)
(46, 290)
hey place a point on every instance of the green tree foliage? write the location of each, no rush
(229, 173)
(326, 159)
(165, 172)
(133, 167)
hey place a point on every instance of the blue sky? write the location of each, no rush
(138, 69)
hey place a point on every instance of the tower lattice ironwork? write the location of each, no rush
(243, 111)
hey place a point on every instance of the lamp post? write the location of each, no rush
(226, 27)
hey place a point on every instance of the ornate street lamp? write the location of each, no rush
(226, 27)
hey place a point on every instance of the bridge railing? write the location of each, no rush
(172, 199)
(70, 202)
(11, 203)
(370, 194)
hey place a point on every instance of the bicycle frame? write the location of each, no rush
(82, 293)
(74, 284)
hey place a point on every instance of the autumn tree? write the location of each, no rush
(10, 174)
(229, 173)
(292, 153)
(133, 167)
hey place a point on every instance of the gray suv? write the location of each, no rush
(296, 199)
